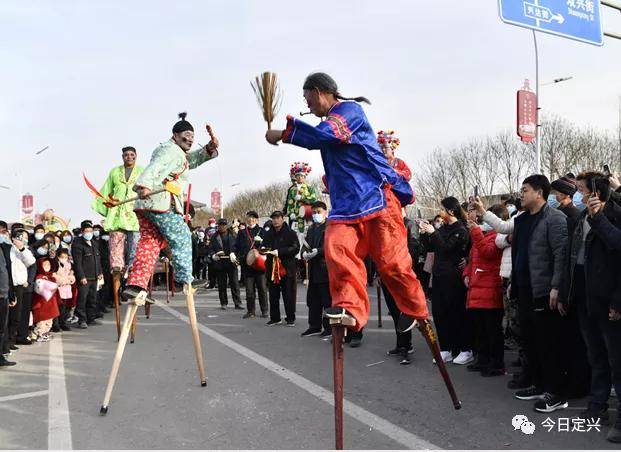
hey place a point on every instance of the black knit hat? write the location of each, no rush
(182, 125)
(252, 214)
(564, 185)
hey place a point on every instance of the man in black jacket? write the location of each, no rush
(592, 287)
(538, 256)
(281, 246)
(223, 253)
(7, 298)
(318, 294)
(87, 269)
(248, 239)
(563, 190)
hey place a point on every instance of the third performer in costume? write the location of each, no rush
(366, 196)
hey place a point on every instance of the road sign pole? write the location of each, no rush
(538, 127)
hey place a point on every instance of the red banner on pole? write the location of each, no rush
(526, 114)
(27, 204)
(216, 201)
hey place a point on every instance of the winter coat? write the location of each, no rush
(4, 278)
(168, 163)
(86, 259)
(65, 278)
(8, 292)
(288, 246)
(502, 242)
(120, 217)
(245, 242)
(317, 268)
(449, 245)
(602, 261)
(483, 271)
(546, 251)
(20, 261)
(225, 243)
(43, 309)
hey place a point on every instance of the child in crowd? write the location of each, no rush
(65, 279)
(44, 300)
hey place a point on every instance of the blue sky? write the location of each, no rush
(87, 78)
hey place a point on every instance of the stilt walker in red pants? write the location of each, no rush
(366, 196)
(161, 218)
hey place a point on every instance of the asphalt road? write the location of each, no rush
(267, 388)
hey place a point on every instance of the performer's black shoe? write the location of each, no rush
(405, 323)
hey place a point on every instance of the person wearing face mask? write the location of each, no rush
(485, 294)
(38, 234)
(65, 279)
(66, 241)
(561, 198)
(450, 246)
(161, 215)
(223, 252)
(21, 259)
(88, 269)
(254, 279)
(199, 264)
(104, 294)
(6, 297)
(318, 292)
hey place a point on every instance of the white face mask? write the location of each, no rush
(318, 217)
(4, 239)
(39, 236)
(486, 227)
(437, 224)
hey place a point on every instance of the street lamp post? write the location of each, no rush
(538, 128)
(222, 197)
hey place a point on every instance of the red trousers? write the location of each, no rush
(384, 238)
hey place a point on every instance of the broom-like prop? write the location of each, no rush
(265, 87)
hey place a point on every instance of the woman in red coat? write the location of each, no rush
(482, 277)
(44, 299)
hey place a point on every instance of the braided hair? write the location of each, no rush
(326, 84)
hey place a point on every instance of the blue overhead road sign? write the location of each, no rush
(573, 19)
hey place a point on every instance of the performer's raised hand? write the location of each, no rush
(213, 143)
(273, 136)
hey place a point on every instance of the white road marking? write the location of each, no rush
(392, 431)
(23, 395)
(59, 422)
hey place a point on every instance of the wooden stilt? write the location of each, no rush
(120, 348)
(339, 330)
(379, 303)
(147, 306)
(195, 336)
(338, 333)
(426, 330)
(132, 337)
(167, 282)
(116, 287)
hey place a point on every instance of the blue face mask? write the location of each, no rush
(552, 202)
(67, 239)
(318, 217)
(96, 233)
(577, 199)
(39, 236)
(42, 251)
(511, 208)
(87, 236)
(4, 239)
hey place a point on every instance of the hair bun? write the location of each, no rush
(182, 115)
